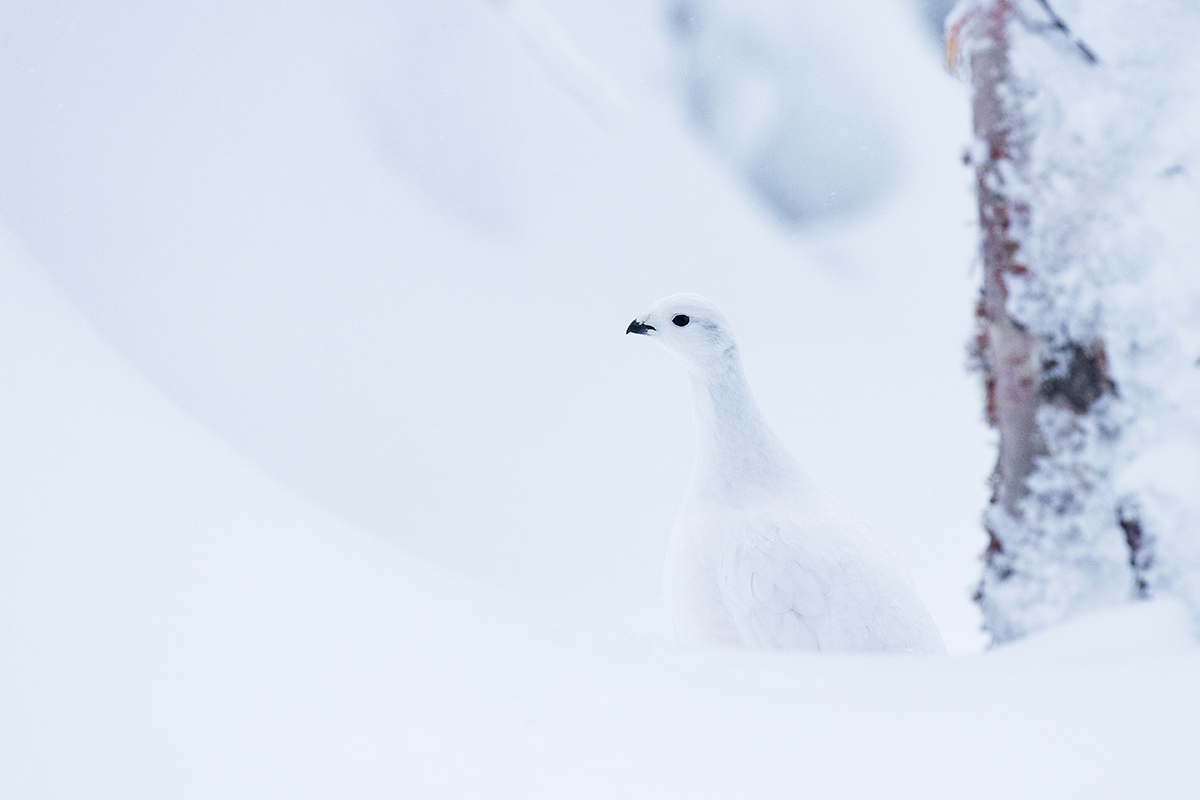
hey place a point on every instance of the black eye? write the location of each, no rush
(681, 320)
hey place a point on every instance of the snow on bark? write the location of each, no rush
(1088, 183)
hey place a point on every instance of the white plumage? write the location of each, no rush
(759, 555)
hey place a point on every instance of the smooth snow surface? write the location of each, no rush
(326, 471)
(176, 624)
(759, 555)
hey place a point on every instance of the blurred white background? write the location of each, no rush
(388, 251)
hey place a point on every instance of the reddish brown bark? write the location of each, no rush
(1006, 352)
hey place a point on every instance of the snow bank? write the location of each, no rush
(175, 623)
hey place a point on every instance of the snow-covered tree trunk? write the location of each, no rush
(1089, 316)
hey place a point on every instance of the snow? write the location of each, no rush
(321, 437)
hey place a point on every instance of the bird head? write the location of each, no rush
(691, 328)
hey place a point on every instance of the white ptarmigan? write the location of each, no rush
(759, 556)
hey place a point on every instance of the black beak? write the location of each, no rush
(639, 327)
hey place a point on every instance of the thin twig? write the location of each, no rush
(1058, 23)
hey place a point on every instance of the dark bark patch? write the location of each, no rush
(1076, 376)
(993, 556)
(994, 546)
(1139, 554)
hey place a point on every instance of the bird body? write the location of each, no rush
(759, 555)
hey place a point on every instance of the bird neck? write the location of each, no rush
(738, 456)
